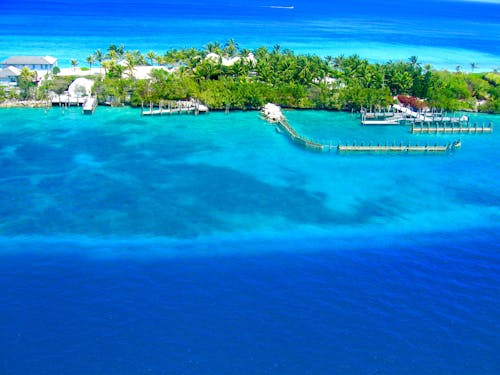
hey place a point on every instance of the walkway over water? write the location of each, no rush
(89, 106)
(401, 148)
(273, 114)
(451, 128)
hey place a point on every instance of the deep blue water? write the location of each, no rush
(424, 309)
(441, 33)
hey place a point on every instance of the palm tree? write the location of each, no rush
(26, 82)
(121, 50)
(458, 68)
(213, 47)
(99, 57)
(151, 56)
(338, 61)
(473, 66)
(90, 60)
(231, 47)
(112, 54)
(130, 60)
(74, 63)
(413, 60)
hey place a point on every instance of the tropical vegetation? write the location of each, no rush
(280, 76)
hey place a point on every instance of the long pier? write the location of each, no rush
(450, 128)
(273, 114)
(400, 148)
(299, 139)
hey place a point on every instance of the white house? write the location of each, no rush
(40, 63)
(230, 61)
(80, 87)
(9, 76)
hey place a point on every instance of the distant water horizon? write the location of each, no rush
(443, 34)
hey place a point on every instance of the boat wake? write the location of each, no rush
(291, 7)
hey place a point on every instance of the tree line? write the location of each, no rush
(281, 76)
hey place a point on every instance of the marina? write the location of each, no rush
(398, 114)
(273, 114)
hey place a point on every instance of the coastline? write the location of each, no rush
(227, 76)
(25, 104)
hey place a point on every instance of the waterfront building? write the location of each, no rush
(9, 76)
(39, 63)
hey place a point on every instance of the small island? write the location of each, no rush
(225, 76)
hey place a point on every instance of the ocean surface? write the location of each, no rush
(213, 245)
(441, 33)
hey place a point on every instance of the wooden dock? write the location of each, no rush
(299, 139)
(400, 115)
(450, 128)
(178, 107)
(89, 106)
(273, 114)
(399, 148)
(66, 100)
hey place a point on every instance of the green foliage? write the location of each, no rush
(26, 83)
(493, 78)
(287, 79)
(60, 84)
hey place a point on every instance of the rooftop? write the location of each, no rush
(29, 60)
(9, 72)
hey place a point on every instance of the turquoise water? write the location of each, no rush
(442, 33)
(212, 244)
(165, 177)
